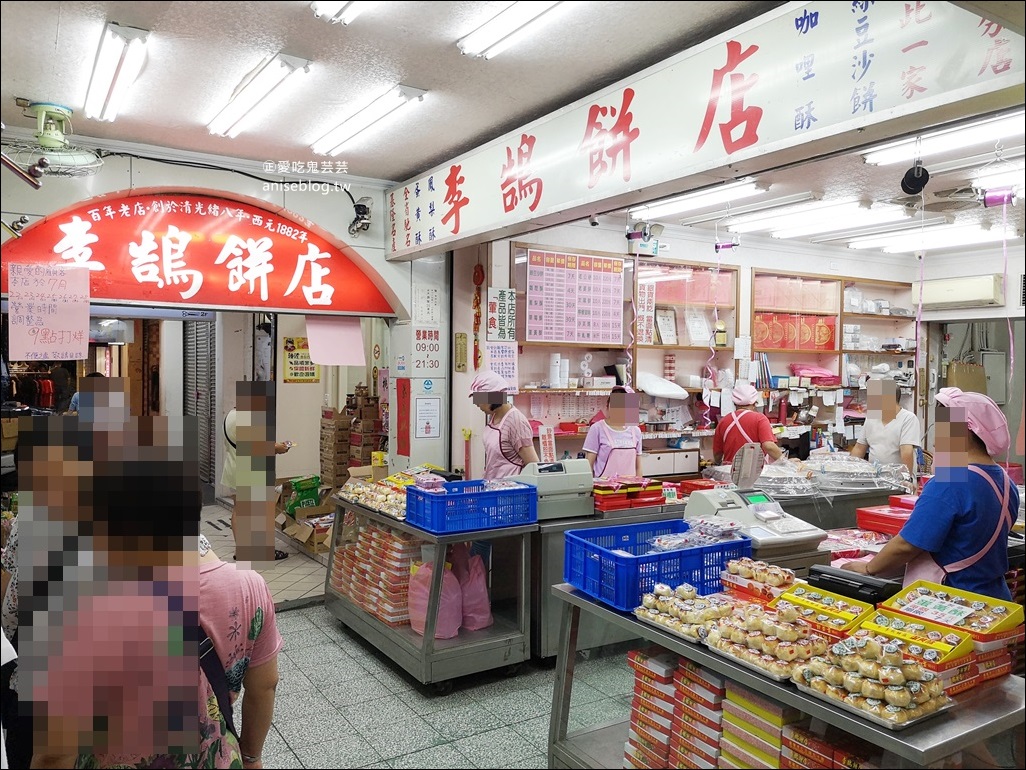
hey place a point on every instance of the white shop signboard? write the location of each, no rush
(803, 72)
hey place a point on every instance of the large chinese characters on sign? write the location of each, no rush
(199, 250)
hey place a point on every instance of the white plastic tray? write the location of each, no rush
(746, 664)
(872, 717)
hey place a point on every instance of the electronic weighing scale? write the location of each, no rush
(776, 535)
(565, 488)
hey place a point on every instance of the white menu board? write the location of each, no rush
(574, 298)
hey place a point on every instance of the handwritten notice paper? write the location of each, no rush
(48, 312)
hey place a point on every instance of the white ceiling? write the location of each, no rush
(200, 51)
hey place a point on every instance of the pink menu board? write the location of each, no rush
(574, 298)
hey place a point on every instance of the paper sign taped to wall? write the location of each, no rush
(335, 341)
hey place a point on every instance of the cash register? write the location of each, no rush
(565, 488)
(776, 535)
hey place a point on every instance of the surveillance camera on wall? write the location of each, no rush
(593, 221)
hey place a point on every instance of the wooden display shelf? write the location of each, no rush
(791, 311)
(879, 317)
(700, 305)
(796, 350)
(853, 351)
(582, 345)
(684, 347)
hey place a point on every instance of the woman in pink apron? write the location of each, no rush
(957, 533)
(743, 426)
(508, 437)
(613, 445)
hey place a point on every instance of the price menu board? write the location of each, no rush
(574, 298)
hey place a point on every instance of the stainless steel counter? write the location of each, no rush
(981, 713)
(833, 510)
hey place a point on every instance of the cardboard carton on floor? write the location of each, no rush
(369, 472)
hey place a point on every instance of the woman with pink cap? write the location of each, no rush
(508, 437)
(958, 532)
(743, 426)
(613, 445)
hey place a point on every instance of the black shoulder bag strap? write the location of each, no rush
(224, 427)
(214, 670)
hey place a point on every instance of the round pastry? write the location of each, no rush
(760, 570)
(738, 635)
(661, 589)
(890, 654)
(751, 656)
(648, 601)
(769, 644)
(685, 591)
(653, 615)
(911, 670)
(780, 668)
(769, 625)
(818, 665)
(787, 632)
(891, 675)
(819, 684)
(873, 705)
(677, 627)
(919, 693)
(869, 668)
(712, 636)
(896, 714)
(775, 577)
(936, 688)
(800, 670)
(837, 693)
(789, 576)
(850, 661)
(896, 695)
(856, 700)
(873, 689)
(744, 569)
(834, 675)
(804, 628)
(787, 612)
(915, 711)
(754, 640)
(873, 648)
(676, 610)
(853, 682)
(732, 566)
(787, 651)
(819, 645)
(663, 605)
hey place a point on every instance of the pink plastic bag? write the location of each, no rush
(477, 607)
(450, 605)
(459, 558)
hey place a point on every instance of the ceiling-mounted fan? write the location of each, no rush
(53, 124)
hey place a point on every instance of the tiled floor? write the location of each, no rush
(293, 581)
(340, 703)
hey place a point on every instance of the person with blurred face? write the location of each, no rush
(958, 532)
(891, 432)
(613, 445)
(744, 426)
(508, 437)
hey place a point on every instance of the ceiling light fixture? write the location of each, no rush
(119, 60)
(751, 208)
(253, 91)
(502, 31)
(1004, 174)
(973, 162)
(340, 13)
(917, 222)
(842, 218)
(942, 237)
(793, 216)
(715, 196)
(950, 140)
(333, 142)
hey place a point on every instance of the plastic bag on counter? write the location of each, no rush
(450, 604)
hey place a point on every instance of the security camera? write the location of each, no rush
(593, 221)
(362, 219)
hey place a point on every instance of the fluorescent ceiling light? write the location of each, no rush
(982, 132)
(942, 237)
(1011, 174)
(751, 208)
(495, 36)
(911, 223)
(340, 13)
(119, 61)
(843, 218)
(725, 193)
(793, 216)
(253, 90)
(973, 162)
(333, 142)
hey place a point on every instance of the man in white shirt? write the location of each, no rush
(891, 433)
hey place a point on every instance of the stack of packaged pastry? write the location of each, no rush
(872, 674)
(681, 610)
(772, 641)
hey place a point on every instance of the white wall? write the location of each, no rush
(232, 366)
(172, 368)
(298, 416)
(464, 414)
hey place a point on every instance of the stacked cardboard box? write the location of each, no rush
(753, 729)
(804, 748)
(697, 716)
(367, 430)
(374, 571)
(648, 738)
(335, 436)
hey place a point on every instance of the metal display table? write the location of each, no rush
(547, 555)
(833, 510)
(430, 660)
(981, 713)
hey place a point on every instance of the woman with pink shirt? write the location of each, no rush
(613, 445)
(508, 437)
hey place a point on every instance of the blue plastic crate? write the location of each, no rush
(468, 505)
(620, 580)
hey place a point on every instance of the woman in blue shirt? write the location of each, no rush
(958, 532)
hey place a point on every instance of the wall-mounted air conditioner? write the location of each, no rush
(967, 291)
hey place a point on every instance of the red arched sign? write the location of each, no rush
(173, 248)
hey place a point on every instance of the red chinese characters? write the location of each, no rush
(454, 197)
(740, 115)
(517, 184)
(604, 145)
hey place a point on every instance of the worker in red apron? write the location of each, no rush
(613, 445)
(508, 437)
(743, 426)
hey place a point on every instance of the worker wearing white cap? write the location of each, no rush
(744, 426)
(958, 531)
(508, 437)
